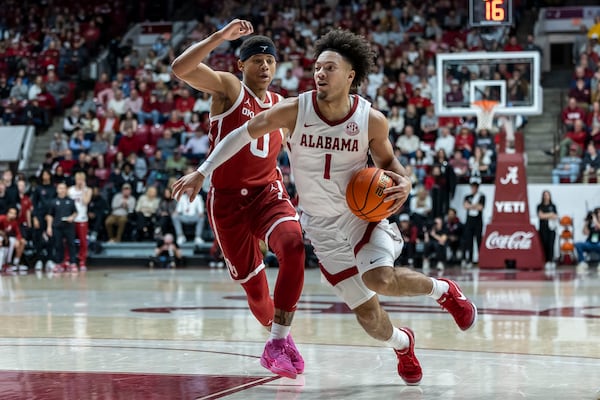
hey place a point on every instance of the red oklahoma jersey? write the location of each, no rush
(254, 165)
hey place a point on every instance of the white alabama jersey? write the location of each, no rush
(82, 209)
(325, 154)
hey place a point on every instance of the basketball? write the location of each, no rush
(364, 194)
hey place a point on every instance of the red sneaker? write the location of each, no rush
(409, 368)
(456, 303)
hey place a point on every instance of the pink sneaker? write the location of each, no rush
(456, 303)
(276, 359)
(73, 268)
(295, 357)
(409, 368)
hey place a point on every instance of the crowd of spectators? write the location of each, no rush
(43, 50)
(140, 128)
(577, 150)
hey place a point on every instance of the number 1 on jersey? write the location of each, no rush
(326, 174)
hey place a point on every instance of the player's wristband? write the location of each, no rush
(226, 149)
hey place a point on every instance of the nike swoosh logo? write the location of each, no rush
(309, 125)
(375, 260)
(461, 295)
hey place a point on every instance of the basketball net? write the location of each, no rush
(485, 113)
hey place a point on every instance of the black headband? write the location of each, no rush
(261, 47)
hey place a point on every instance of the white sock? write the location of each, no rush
(279, 331)
(439, 288)
(16, 260)
(399, 340)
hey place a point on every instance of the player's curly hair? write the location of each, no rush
(354, 48)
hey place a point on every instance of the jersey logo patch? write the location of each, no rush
(309, 125)
(352, 129)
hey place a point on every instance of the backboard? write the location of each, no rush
(510, 78)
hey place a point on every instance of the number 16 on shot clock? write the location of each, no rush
(494, 10)
(490, 12)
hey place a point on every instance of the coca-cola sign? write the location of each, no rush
(519, 240)
(510, 238)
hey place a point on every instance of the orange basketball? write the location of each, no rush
(567, 246)
(364, 194)
(566, 220)
(566, 234)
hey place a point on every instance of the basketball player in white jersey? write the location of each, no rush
(330, 133)
(81, 195)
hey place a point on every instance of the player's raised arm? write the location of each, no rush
(281, 116)
(189, 66)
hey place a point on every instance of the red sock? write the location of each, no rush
(287, 243)
(259, 299)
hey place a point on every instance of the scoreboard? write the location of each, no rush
(490, 13)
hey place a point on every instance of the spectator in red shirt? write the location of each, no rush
(185, 104)
(571, 113)
(167, 106)
(144, 90)
(175, 124)
(464, 142)
(50, 56)
(67, 163)
(420, 102)
(128, 143)
(578, 136)
(150, 111)
(404, 84)
(513, 45)
(307, 82)
(91, 35)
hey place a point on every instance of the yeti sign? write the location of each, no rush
(510, 237)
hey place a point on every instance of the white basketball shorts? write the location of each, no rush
(347, 247)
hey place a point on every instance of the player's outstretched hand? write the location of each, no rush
(236, 29)
(399, 192)
(190, 184)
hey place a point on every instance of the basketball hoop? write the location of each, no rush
(485, 113)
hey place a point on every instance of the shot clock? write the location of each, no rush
(490, 13)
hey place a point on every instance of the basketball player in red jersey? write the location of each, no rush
(331, 135)
(247, 200)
